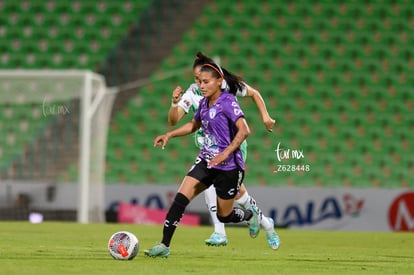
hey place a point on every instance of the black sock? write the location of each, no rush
(236, 216)
(173, 217)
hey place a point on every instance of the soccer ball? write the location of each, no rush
(123, 245)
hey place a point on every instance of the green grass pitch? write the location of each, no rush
(70, 248)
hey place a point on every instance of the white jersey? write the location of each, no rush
(192, 96)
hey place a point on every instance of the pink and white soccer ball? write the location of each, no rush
(123, 245)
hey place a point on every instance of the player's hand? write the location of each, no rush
(177, 94)
(217, 160)
(161, 141)
(269, 124)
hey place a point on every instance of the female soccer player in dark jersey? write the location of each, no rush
(188, 101)
(219, 163)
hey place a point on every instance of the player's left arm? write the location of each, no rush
(243, 131)
(268, 121)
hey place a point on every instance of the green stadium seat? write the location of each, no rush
(323, 71)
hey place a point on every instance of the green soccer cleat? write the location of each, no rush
(254, 222)
(159, 250)
(216, 239)
(272, 237)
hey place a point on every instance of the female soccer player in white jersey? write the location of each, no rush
(183, 103)
(219, 163)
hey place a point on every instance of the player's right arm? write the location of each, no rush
(176, 113)
(183, 102)
(188, 128)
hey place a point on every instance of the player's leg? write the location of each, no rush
(227, 213)
(197, 180)
(227, 184)
(246, 201)
(218, 237)
(243, 199)
(189, 189)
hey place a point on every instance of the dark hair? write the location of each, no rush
(233, 81)
(201, 60)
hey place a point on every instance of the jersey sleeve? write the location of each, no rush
(187, 100)
(242, 92)
(232, 109)
(197, 116)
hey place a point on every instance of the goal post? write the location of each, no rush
(71, 103)
(96, 106)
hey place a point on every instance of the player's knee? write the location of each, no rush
(225, 219)
(182, 200)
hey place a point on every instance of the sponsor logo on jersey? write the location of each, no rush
(236, 108)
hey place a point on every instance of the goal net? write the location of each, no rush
(54, 126)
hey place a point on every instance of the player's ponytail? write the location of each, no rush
(234, 82)
(201, 59)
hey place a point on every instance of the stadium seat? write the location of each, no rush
(336, 77)
(56, 35)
